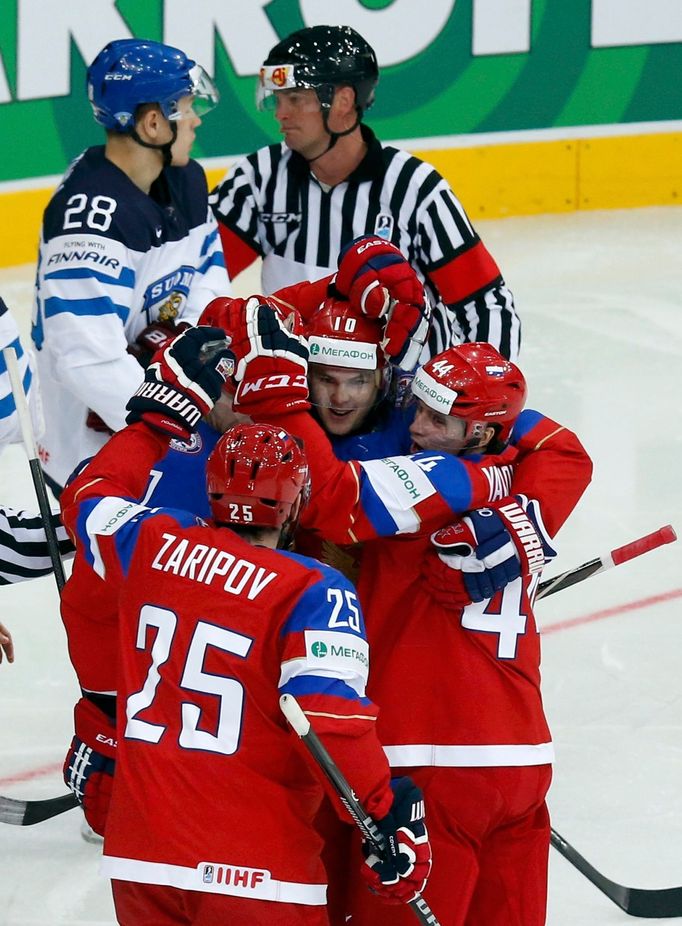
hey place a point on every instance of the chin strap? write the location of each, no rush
(165, 148)
(334, 136)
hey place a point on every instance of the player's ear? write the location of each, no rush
(149, 122)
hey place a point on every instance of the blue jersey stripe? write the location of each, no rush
(451, 480)
(318, 685)
(216, 259)
(84, 307)
(208, 242)
(525, 423)
(125, 278)
(374, 508)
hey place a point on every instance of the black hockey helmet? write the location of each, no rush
(322, 58)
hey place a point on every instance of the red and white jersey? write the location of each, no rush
(212, 790)
(453, 688)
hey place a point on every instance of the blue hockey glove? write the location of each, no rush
(493, 546)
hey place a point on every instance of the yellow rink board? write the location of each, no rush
(492, 181)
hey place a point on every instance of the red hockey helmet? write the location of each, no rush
(255, 475)
(340, 336)
(473, 382)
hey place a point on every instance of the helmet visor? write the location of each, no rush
(204, 94)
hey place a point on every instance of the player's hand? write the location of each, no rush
(155, 337)
(494, 546)
(373, 274)
(406, 332)
(6, 643)
(272, 369)
(183, 382)
(90, 762)
(231, 315)
(378, 281)
(403, 872)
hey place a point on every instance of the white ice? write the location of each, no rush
(600, 294)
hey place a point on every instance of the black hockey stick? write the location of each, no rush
(26, 813)
(29, 440)
(602, 563)
(302, 727)
(656, 903)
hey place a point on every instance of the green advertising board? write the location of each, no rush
(448, 66)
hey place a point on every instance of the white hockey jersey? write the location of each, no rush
(10, 430)
(112, 261)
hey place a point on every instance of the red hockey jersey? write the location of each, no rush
(212, 791)
(453, 688)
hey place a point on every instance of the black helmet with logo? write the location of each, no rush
(321, 58)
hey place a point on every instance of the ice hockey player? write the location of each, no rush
(213, 800)
(129, 247)
(475, 735)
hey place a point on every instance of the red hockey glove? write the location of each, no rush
(406, 333)
(403, 872)
(90, 762)
(154, 337)
(272, 371)
(492, 547)
(231, 315)
(183, 382)
(377, 280)
(373, 273)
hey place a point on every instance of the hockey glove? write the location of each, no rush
(492, 547)
(378, 281)
(154, 337)
(90, 762)
(403, 871)
(183, 382)
(373, 273)
(272, 371)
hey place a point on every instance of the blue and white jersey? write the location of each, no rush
(10, 430)
(112, 261)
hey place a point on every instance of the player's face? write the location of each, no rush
(342, 397)
(186, 122)
(300, 120)
(431, 430)
(222, 417)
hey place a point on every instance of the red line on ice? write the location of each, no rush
(613, 612)
(28, 775)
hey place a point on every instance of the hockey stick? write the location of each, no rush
(26, 813)
(607, 561)
(302, 727)
(636, 901)
(24, 416)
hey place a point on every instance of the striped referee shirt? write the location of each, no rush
(24, 552)
(270, 205)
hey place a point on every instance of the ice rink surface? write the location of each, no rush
(600, 295)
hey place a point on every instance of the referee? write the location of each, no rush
(298, 203)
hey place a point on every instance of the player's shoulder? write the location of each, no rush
(97, 199)
(319, 575)
(189, 190)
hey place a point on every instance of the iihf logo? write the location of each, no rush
(383, 226)
(208, 874)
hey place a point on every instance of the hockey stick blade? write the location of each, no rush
(663, 903)
(26, 813)
(303, 728)
(601, 563)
